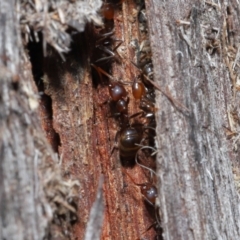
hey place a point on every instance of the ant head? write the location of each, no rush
(149, 191)
(117, 91)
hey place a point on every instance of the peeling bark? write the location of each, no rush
(21, 193)
(197, 196)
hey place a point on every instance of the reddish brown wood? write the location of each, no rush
(81, 118)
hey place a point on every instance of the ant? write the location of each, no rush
(117, 93)
(129, 142)
(104, 46)
(107, 11)
(148, 190)
(149, 193)
(138, 89)
(130, 135)
(146, 97)
(105, 41)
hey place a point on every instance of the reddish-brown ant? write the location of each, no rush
(107, 11)
(138, 90)
(116, 88)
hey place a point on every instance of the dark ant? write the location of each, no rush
(130, 139)
(105, 46)
(149, 193)
(117, 93)
(148, 70)
(129, 136)
(144, 63)
(105, 41)
(148, 190)
(148, 107)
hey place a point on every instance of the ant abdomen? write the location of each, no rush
(107, 11)
(129, 138)
(138, 90)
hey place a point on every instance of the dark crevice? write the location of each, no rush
(37, 60)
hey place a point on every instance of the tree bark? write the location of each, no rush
(197, 193)
(32, 191)
(23, 148)
(195, 58)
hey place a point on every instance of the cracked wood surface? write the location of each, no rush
(197, 192)
(81, 117)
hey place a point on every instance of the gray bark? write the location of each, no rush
(24, 210)
(197, 194)
(21, 197)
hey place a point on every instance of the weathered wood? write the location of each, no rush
(82, 118)
(22, 145)
(197, 196)
(32, 191)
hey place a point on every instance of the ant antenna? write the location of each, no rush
(157, 218)
(155, 151)
(167, 95)
(141, 165)
(98, 69)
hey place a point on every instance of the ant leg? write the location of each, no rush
(136, 114)
(157, 216)
(107, 51)
(115, 145)
(119, 44)
(141, 165)
(151, 226)
(104, 36)
(100, 70)
(111, 53)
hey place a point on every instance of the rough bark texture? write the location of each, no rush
(197, 193)
(21, 196)
(32, 191)
(195, 57)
